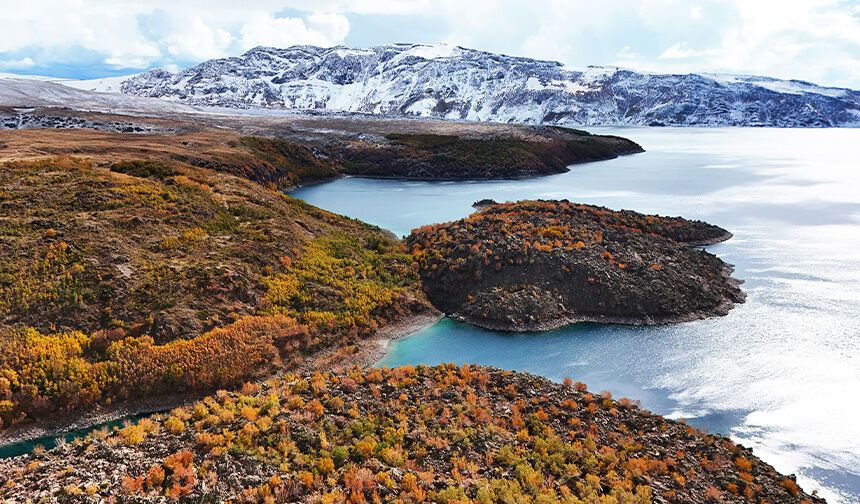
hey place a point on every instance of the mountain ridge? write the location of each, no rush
(452, 82)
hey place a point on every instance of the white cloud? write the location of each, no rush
(139, 33)
(627, 57)
(55, 26)
(17, 64)
(267, 30)
(812, 40)
(333, 26)
(681, 51)
(817, 40)
(696, 12)
(198, 41)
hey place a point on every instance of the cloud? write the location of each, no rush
(333, 26)
(681, 51)
(696, 12)
(816, 40)
(17, 64)
(138, 34)
(320, 29)
(627, 57)
(198, 41)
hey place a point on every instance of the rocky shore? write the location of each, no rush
(539, 265)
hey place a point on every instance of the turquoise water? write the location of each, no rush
(780, 373)
(48, 442)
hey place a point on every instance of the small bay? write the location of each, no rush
(780, 373)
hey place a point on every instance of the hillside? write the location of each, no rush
(463, 84)
(537, 265)
(450, 157)
(293, 150)
(441, 434)
(130, 278)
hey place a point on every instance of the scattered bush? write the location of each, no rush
(144, 169)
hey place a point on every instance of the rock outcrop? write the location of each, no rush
(537, 265)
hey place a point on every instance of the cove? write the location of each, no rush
(780, 373)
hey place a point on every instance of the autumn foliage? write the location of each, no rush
(537, 265)
(156, 277)
(443, 434)
(42, 373)
(341, 286)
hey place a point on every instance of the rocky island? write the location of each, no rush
(444, 434)
(538, 265)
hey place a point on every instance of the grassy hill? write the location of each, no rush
(141, 277)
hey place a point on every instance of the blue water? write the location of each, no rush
(48, 442)
(780, 373)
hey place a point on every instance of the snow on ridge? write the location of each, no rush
(18, 92)
(433, 51)
(778, 85)
(6, 75)
(452, 82)
(102, 85)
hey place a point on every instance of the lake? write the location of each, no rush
(780, 373)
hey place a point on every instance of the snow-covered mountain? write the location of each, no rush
(457, 83)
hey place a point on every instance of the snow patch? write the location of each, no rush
(434, 51)
(103, 85)
(422, 107)
(779, 86)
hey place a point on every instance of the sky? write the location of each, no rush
(813, 40)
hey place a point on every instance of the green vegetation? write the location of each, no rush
(144, 168)
(285, 163)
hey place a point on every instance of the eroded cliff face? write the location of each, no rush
(536, 265)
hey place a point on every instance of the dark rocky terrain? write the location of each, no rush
(450, 157)
(457, 83)
(443, 434)
(11, 120)
(536, 265)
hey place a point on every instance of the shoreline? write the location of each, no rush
(720, 310)
(376, 347)
(67, 422)
(369, 352)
